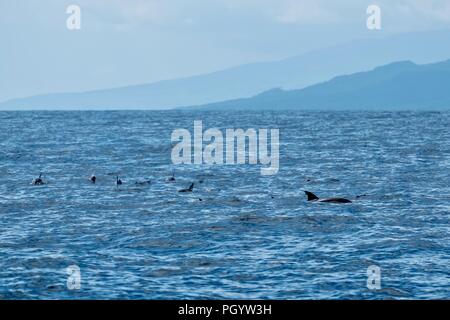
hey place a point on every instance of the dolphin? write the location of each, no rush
(118, 182)
(313, 197)
(191, 187)
(172, 178)
(38, 181)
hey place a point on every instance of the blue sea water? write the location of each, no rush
(252, 236)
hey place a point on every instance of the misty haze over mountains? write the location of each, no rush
(294, 73)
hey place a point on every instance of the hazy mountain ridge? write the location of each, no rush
(400, 85)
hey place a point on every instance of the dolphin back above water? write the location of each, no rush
(191, 187)
(38, 181)
(313, 197)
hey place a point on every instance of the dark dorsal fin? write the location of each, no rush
(191, 187)
(311, 196)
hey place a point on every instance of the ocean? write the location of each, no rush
(251, 236)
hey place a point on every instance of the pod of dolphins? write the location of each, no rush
(311, 197)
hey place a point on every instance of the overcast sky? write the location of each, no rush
(141, 41)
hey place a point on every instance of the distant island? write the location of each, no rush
(396, 86)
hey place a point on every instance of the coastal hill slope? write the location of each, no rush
(396, 86)
(248, 80)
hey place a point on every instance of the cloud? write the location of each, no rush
(299, 12)
(134, 12)
(438, 10)
(164, 12)
(306, 12)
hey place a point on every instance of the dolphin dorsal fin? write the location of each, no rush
(311, 196)
(191, 187)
